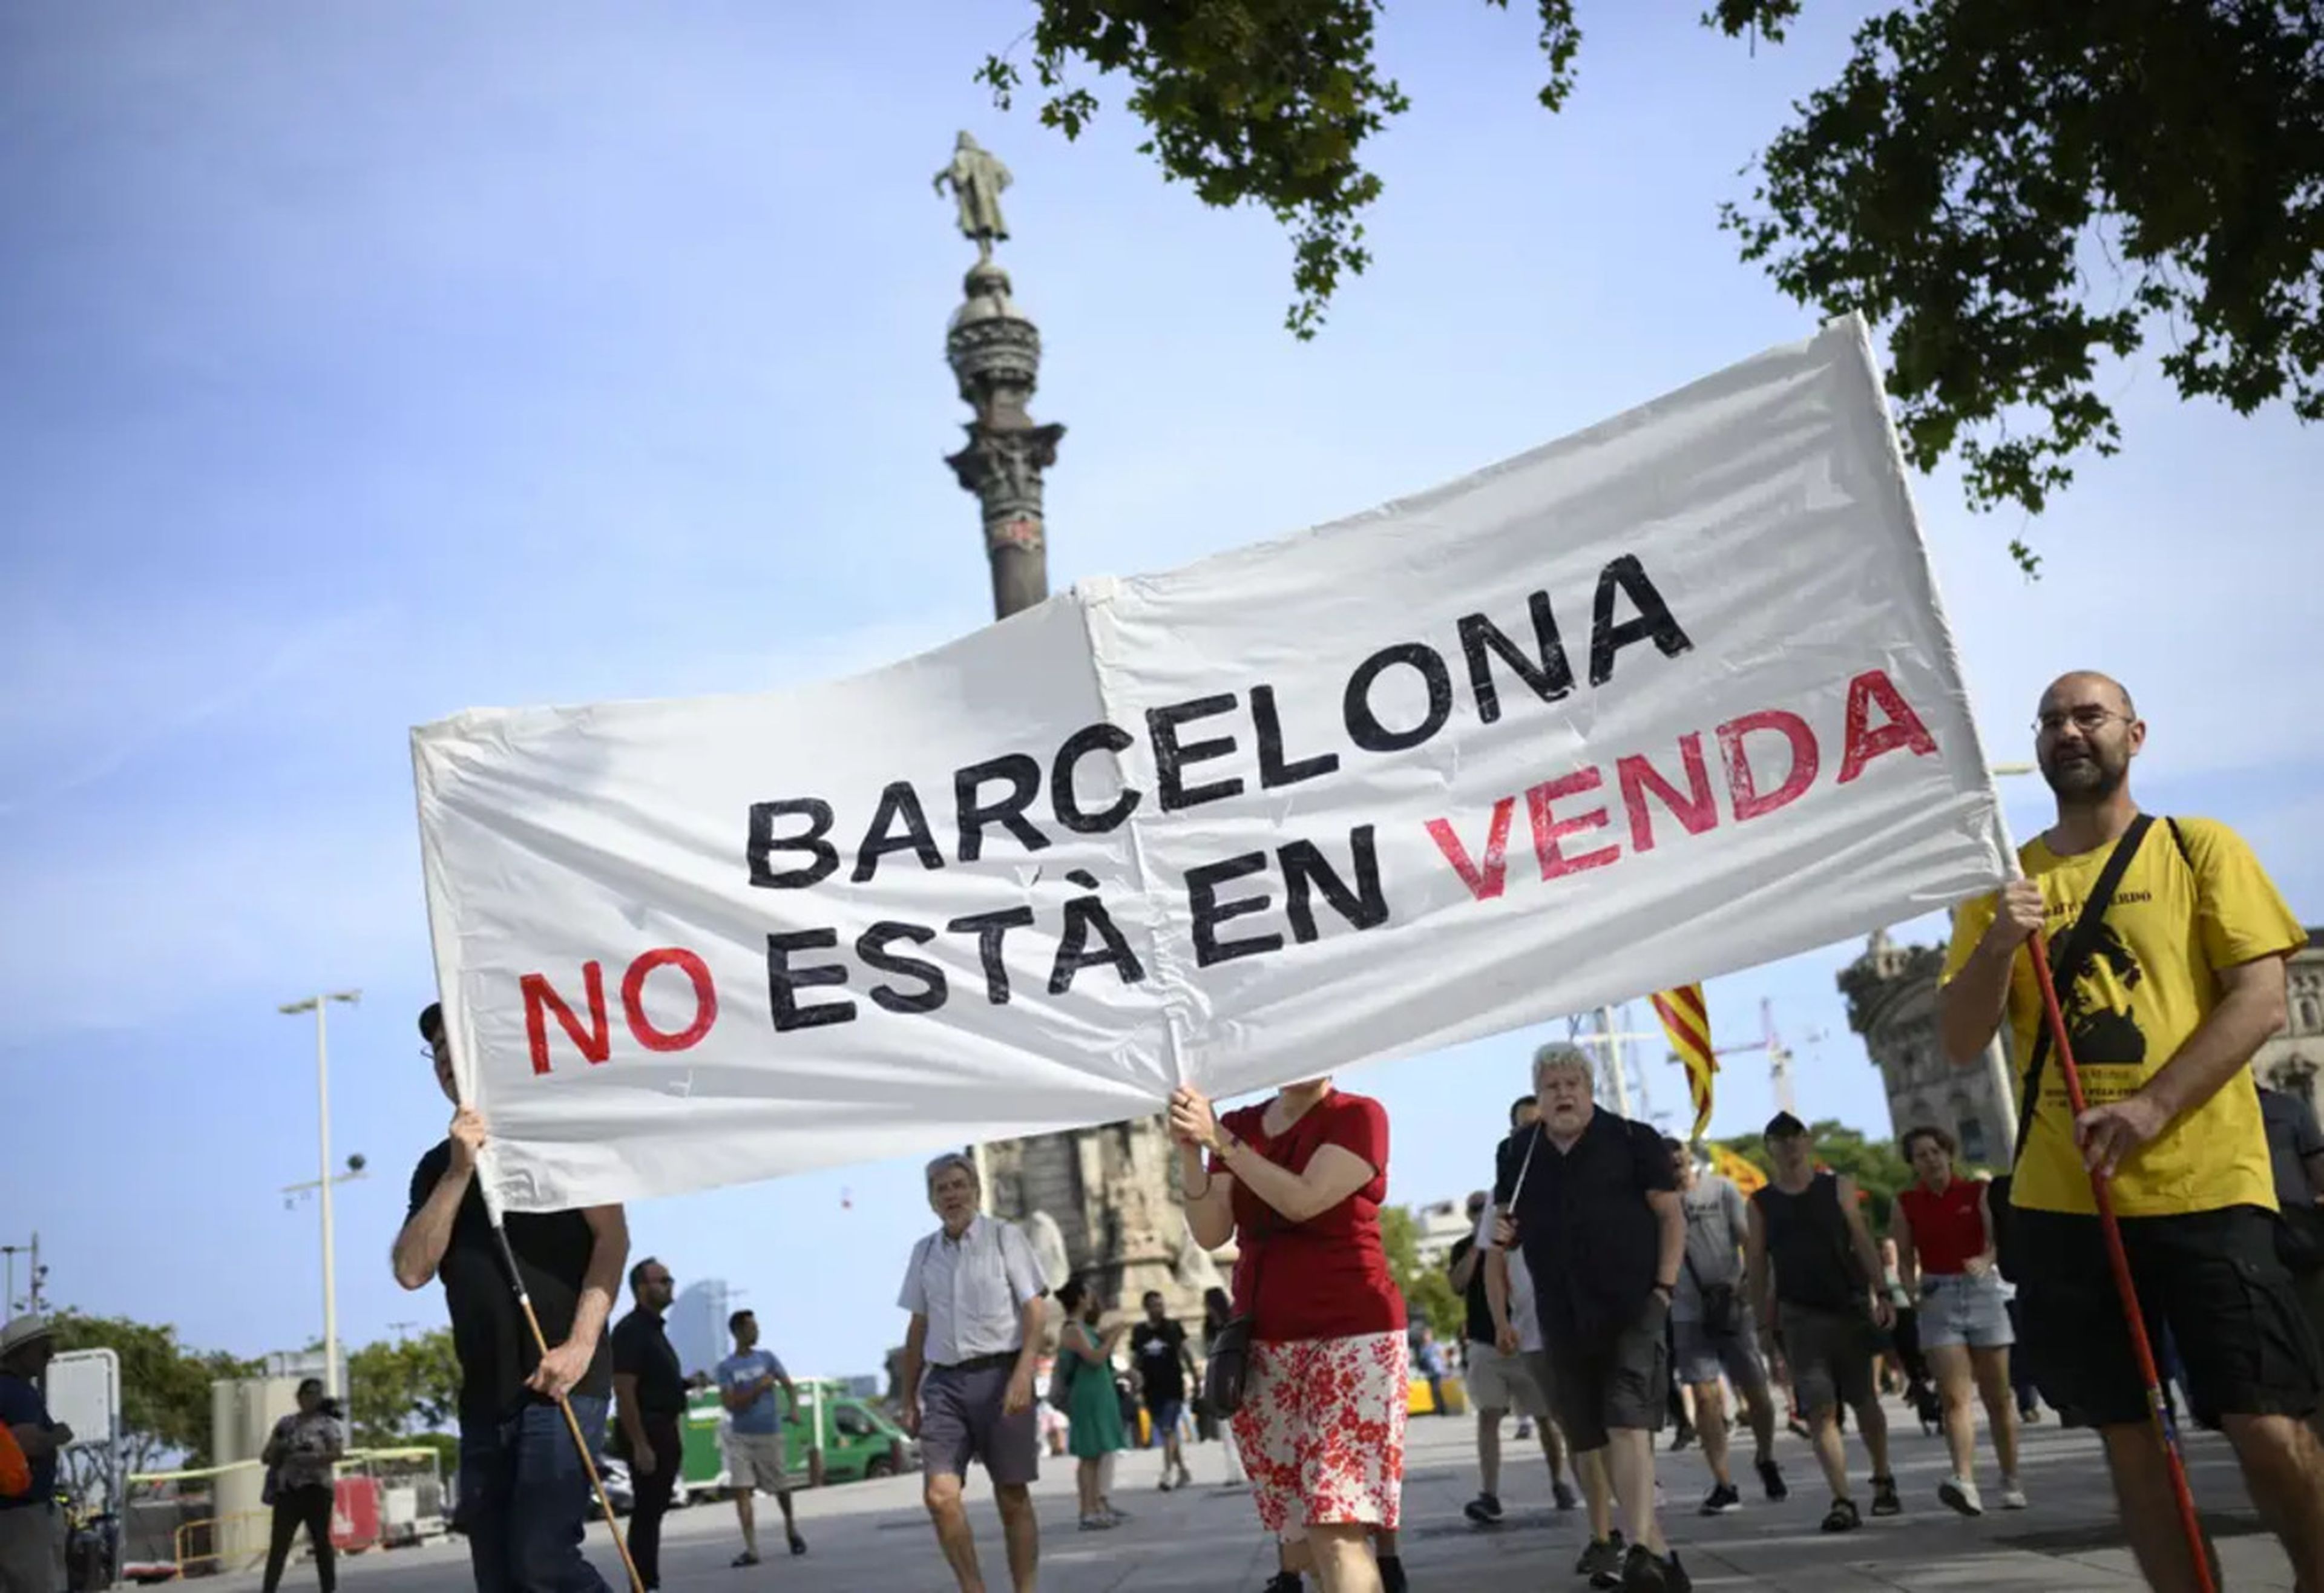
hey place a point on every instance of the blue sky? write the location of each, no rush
(362, 365)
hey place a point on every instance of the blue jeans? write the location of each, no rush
(524, 1498)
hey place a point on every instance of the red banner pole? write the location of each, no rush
(2125, 1287)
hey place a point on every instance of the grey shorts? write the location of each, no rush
(1957, 1309)
(1498, 1382)
(1829, 1354)
(961, 1421)
(1595, 1388)
(1704, 1356)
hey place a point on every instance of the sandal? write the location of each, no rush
(1842, 1516)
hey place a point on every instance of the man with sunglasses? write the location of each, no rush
(523, 1493)
(2177, 979)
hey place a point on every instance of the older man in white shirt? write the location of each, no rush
(975, 1290)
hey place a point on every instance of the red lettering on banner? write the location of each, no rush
(1697, 809)
(1486, 878)
(633, 987)
(595, 1043)
(1548, 833)
(1742, 781)
(1903, 728)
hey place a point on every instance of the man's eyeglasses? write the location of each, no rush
(2087, 719)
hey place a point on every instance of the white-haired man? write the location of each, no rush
(1591, 1198)
(976, 1295)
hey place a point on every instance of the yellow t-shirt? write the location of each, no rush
(2150, 980)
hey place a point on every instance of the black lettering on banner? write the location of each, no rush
(1083, 915)
(1551, 678)
(1208, 912)
(1063, 799)
(1008, 811)
(872, 945)
(1364, 727)
(1305, 869)
(899, 801)
(1171, 759)
(763, 841)
(1273, 770)
(1653, 623)
(989, 929)
(784, 981)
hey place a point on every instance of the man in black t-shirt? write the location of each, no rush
(523, 1493)
(1158, 1348)
(650, 1395)
(1590, 1199)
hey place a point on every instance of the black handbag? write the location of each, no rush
(1720, 1318)
(2066, 959)
(1228, 1368)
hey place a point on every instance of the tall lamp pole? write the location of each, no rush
(318, 1004)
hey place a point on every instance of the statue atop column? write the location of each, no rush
(977, 178)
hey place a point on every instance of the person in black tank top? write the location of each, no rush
(1811, 1267)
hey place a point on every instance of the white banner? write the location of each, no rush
(1663, 700)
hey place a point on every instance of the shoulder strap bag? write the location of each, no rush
(1227, 1371)
(2066, 959)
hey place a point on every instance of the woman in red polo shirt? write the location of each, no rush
(1299, 1182)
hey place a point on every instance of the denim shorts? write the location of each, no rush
(1959, 1309)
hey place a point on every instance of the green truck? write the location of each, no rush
(857, 1438)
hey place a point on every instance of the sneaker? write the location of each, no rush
(1524, 1428)
(741, 1559)
(1959, 1493)
(1562, 1492)
(1391, 1571)
(1771, 1479)
(1682, 1437)
(1885, 1501)
(798, 1545)
(2013, 1497)
(1842, 1516)
(1722, 1500)
(1485, 1510)
(1186, 1477)
(1642, 1572)
(1285, 1581)
(1602, 1561)
(1166, 1483)
(1097, 1524)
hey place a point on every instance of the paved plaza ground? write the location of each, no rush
(873, 1537)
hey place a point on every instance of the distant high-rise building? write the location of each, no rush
(697, 1325)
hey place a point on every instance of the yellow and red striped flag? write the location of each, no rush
(1687, 1022)
(1737, 1171)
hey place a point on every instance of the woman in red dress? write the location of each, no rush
(1298, 1182)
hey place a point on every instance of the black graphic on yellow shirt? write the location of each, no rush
(2102, 1035)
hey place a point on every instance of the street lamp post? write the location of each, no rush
(317, 1004)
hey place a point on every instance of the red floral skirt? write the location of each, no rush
(1322, 1432)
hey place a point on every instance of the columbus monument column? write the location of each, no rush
(1095, 1201)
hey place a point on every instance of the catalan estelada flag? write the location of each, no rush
(1687, 1022)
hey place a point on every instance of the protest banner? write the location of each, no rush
(1668, 698)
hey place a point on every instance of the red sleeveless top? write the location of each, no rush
(1947, 1227)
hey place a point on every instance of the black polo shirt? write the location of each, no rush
(641, 1349)
(490, 1338)
(1590, 1241)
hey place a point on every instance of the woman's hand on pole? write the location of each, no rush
(1192, 1122)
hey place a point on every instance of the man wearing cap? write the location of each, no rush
(28, 1522)
(523, 1493)
(976, 1297)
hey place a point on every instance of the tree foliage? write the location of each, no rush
(397, 1388)
(1875, 1164)
(165, 1387)
(1427, 1291)
(2017, 191)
